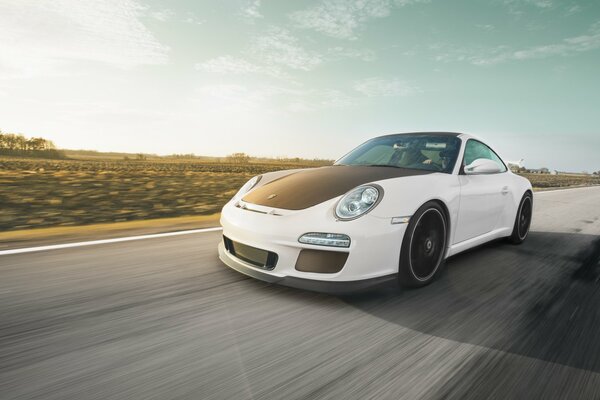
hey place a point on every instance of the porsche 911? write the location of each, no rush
(394, 208)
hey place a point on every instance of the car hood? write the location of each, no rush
(309, 187)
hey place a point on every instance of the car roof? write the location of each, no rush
(450, 134)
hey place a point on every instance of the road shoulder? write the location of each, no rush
(70, 234)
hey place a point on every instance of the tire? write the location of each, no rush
(424, 246)
(522, 220)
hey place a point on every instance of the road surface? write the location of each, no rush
(162, 318)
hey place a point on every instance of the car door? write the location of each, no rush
(482, 197)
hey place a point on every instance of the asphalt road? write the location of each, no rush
(164, 319)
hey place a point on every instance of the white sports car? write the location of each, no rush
(393, 208)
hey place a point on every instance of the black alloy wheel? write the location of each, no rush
(424, 246)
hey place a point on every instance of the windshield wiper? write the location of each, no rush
(369, 165)
(380, 165)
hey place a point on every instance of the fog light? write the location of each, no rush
(325, 239)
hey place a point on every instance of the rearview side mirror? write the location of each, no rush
(482, 166)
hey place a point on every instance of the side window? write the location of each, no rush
(475, 150)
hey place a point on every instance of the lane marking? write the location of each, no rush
(105, 241)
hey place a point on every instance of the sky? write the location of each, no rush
(303, 78)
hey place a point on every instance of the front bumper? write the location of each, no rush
(373, 255)
(331, 287)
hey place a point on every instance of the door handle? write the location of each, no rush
(504, 190)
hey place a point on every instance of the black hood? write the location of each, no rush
(313, 186)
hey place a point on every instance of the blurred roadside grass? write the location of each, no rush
(38, 193)
(81, 233)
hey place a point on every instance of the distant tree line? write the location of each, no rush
(238, 158)
(13, 144)
(243, 158)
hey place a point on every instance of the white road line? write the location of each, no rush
(105, 241)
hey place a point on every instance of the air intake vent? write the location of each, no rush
(258, 257)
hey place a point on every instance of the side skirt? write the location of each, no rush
(479, 240)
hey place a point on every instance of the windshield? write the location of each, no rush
(426, 152)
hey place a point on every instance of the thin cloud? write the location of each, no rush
(485, 27)
(314, 100)
(191, 18)
(228, 64)
(277, 53)
(541, 3)
(278, 47)
(518, 7)
(332, 98)
(39, 37)
(238, 66)
(270, 98)
(251, 10)
(225, 96)
(338, 52)
(269, 54)
(574, 9)
(343, 18)
(567, 47)
(163, 15)
(168, 15)
(380, 87)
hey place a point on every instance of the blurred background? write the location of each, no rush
(126, 110)
(48, 187)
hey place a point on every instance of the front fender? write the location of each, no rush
(403, 196)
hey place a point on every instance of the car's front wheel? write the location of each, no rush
(424, 246)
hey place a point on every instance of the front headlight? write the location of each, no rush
(358, 201)
(248, 186)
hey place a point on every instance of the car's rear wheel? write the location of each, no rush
(424, 246)
(522, 220)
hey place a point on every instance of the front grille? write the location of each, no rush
(258, 257)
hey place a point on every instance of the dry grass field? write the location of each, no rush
(50, 193)
(43, 193)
